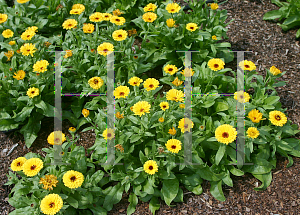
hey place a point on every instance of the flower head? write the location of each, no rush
(173, 145)
(32, 92)
(9, 54)
(96, 83)
(76, 11)
(32, 166)
(72, 129)
(68, 54)
(182, 106)
(192, 27)
(164, 105)
(40, 66)
(22, 1)
(27, 35)
(120, 148)
(3, 18)
(247, 65)
(17, 164)
(27, 49)
(171, 69)
(69, 24)
(255, 116)
(12, 43)
(121, 92)
(51, 204)
(214, 6)
(274, 70)
(241, 96)
(88, 28)
(117, 20)
(141, 107)
(104, 48)
(47, 44)
(117, 12)
(252, 132)
(177, 82)
(49, 181)
(73, 179)
(187, 72)
(150, 7)
(32, 28)
(185, 124)
(85, 112)
(7, 33)
(119, 35)
(150, 167)
(216, 64)
(108, 133)
(119, 115)
(225, 134)
(20, 75)
(277, 118)
(96, 17)
(161, 119)
(151, 84)
(172, 131)
(135, 81)
(78, 6)
(106, 16)
(56, 138)
(175, 95)
(149, 17)
(214, 37)
(173, 8)
(170, 23)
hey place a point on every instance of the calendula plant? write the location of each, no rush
(44, 187)
(289, 11)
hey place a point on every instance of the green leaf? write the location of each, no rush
(170, 190)
(148, 188)
(113, 197)
(31, 129)
(216, 190)
(271, 100)
(133, 199)
(221, 106)
(220, 153)
(8, 124)
(266, 180)
(273, 14)
(96, 177)
(236, 172)
(73, 202)
(298, 33)
(154, 205)
(208, 104)
(21, 116)
(47, 108)
(135, 138)
(133, 119)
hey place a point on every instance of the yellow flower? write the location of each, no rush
(131, 108)
(51, 204)
(40, 66)
(171, 69)
(277, 118)
(241, 96)
(3, 18)
(104, 48)
(187, 72)
(73, 179)
(175, 95)
(164, 105)
(96, 17)
(177, 82)
(173, 8)
(49, 181)
(151, 84)
(161, 119)
(27, 35)
(72, 129)
(7, 33)
(85, 112)
(182, 106)
(135, 81)
(96, 83)
(225, 134)
(32, 92)
(170, 23)
(76, 11)
(78, 6)
(149, 17)
(255, 116)
(108, 133)
(69, 24)
(47, 44)
(106, 16)
(150, 167)
(173, 145)
(17, 164)
(117, 20)
(252, 132)
(9, 54)
(141, 107)
(68, 54)
(33, 28)
(56, 138)
(214, 6)
(12, 43)
(119, 35)
(19, 75)
(117, 12)
(119, 115)
(22, 1)
(247, 65)
(27, 49)
(185, 124)
(274, 70)
(216, 64)
(172, 131)
(32, 166)
(88, 28)
(121, 92)
(214, 37)
(150, 7)
(191, 27)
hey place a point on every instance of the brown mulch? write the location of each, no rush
(270, 46)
